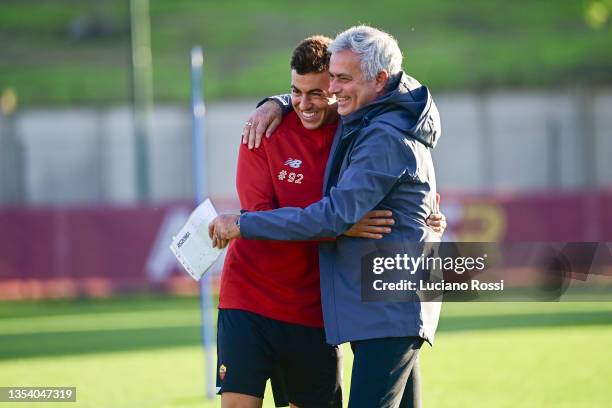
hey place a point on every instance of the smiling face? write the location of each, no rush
(348, 84)
(311, 100)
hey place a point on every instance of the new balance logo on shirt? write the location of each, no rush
(295, 163)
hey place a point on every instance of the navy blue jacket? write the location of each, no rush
(380, 159)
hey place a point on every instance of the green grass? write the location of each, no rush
(145, 352)
(447, 44)
(549, 367)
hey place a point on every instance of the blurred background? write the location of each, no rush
(96, 174)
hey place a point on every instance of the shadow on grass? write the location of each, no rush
(73, 307)
(512, 321)
(29, 345)
(80, 342)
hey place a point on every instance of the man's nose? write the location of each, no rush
(333, 87)
(304, 103)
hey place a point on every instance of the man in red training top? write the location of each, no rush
(270, 322)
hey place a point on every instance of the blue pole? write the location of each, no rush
(198, 110)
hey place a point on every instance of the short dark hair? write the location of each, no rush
(311, 55)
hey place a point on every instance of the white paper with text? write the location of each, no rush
(192, 246)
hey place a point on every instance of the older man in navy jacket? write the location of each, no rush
(381, 159)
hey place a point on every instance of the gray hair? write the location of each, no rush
(377, 50)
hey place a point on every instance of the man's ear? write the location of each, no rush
(381, 80)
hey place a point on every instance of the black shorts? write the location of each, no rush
(302, 367)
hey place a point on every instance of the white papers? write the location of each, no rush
(192, 246)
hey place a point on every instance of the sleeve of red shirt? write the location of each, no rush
(253, 181)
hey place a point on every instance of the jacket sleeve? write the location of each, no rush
(284, 101)
(376, 164)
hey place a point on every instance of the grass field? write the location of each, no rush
(77, 51)
(145, 352)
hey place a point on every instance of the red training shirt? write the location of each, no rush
(278, 279)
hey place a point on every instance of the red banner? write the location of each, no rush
(578, 216)
(99, 251)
